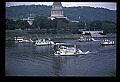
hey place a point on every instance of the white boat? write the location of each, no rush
(22, 40)
(61, 43)
(86, 39)
(107, 42)
(63, 51)
(41, 42)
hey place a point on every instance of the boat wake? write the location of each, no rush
(94, 39)
(88, 52)
(91, 52)
(64, 50)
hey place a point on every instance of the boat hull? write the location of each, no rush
(41, 44)
(70, 54)
(108, 43)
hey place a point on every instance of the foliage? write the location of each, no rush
(43, 25)
(113, 73)
(109, 27)
(89, 19)
(73, 13)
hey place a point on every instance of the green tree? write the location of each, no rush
(73, 27)
(81, 25)
(40, 22)
(109, 27)
(61, 25)
(10, 24)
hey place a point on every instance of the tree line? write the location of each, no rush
(43, 25)
(85, 13)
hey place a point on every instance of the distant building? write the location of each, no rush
(94, 33)
(57, 11)
(29, 20)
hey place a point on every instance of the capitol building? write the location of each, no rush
(57, 11)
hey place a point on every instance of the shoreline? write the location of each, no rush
(10, 38)
(10, 34)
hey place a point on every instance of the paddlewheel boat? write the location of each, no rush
(63, 51)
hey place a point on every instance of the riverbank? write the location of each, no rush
(112, 73)
(33, 34)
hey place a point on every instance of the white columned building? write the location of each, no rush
(57, 11)
(29, 20)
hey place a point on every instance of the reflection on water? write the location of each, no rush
(27, 59)
(57, 65)
(43, 49)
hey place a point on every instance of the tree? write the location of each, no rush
(81, 25)
(73, 27)
(41, 22)
(10, 24)
(109, 27)
(61, 24)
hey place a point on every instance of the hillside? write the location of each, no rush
(73, 13)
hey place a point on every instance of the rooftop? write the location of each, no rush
(57, 3)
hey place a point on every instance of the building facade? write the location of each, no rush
(57, 11)
(29, 20)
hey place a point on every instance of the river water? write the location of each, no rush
(26, 59)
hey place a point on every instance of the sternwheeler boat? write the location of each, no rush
(64, 51)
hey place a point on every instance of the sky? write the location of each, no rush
(108, 5)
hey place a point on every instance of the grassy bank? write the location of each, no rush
(32, 34)
(112, 73)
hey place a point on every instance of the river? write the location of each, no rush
(26, 59)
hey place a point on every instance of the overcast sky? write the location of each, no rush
(108, 5)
